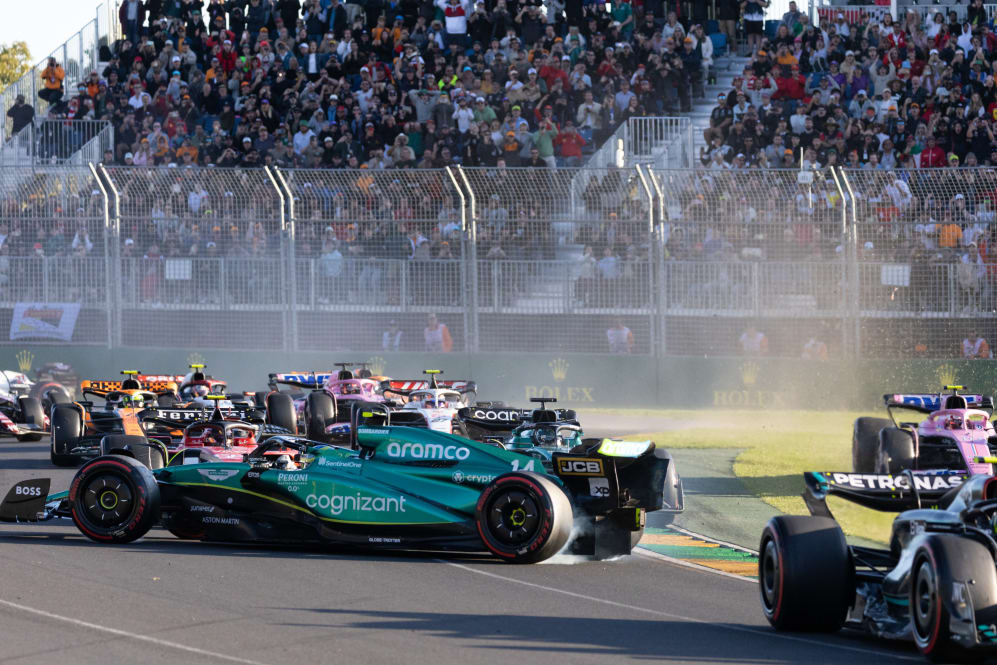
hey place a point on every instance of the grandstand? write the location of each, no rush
(509, 165)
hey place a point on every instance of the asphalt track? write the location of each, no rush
(64, 599)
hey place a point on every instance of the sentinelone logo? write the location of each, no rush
(428, 451)
(357, 503)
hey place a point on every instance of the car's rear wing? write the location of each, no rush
(406, 387)
(881, 491)
(314, 380)
(101, 388)
(929, 403)
(491, 418)
(183, 417)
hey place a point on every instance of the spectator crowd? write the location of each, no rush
(320, 83)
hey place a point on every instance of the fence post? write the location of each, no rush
(114, 272)
(658, 249)
(652, 258)
(469, 269)
(851, 257)
(471, 235)
(107, 255)
(285, 275)
(288, 251)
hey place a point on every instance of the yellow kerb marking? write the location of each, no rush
(673, 539)
(735, 567)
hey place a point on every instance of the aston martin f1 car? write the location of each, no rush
(79, 428)
(936, 583)
(957, 429)
(395, 487)
(541, 434)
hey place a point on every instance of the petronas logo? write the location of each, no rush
(946, 375)
(377, 365)
(559, 368)
(749, 373)
(24, 360)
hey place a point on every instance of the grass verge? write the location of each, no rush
(777, 447)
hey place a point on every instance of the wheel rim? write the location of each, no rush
(107, 500)
(514, 517)
(770, 575)
(925, 601)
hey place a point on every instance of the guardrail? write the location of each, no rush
(58, 141)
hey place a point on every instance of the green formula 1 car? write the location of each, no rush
(397, 487)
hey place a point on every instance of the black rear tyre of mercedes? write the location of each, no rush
(31, 413)
(66, 430)
(805, 574)
(280, 412)
(523, 517)
(114, 499)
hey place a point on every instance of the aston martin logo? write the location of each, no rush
(559, 368)
(24, 360)
(376, 365)
(946, 375)
(749, 373)
(195, 358)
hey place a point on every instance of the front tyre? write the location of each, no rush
(938, 589)
(114, 499)
(523, 517)
(805, 573)
(31, 413)
(280, 412)
(320, 412)
(67, 428)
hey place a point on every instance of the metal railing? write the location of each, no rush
(872, 263)
(58, 141)
(78, 55)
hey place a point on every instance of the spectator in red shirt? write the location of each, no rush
(932, 156)
(569, 142)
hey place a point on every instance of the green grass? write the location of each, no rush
(777, 447)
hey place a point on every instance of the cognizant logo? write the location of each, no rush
(427, 451)
(336, 504)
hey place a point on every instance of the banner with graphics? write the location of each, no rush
(44, 320)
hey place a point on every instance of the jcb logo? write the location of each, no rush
(28, 491)
(574, 466)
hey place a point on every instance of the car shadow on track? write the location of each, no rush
(749, 487)
(665, 639)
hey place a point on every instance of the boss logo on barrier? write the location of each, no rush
(27, 491)
(575, 466)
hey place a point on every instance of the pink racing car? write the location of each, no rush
(956, 433)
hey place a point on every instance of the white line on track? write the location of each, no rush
(668, 615)
(650, 554)
(126, 634)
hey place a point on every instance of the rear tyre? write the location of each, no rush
(523, 517)
(166, 401)
(114, 499)
(805, 574)
(280, 412)
(66, 430)
(865, 443)
(320, 412)
(896, 451)
(938, 564)
(150, 454)
(51, 394)
(31, 414)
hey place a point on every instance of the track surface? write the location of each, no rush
(65, 599)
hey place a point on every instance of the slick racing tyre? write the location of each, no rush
(320, 411)
(31, 413)
(114, 499)
(865, 443)
(280, 412)
(896, 451)
(805, 573)
(941, 563)
(523, 517)
(67, 427)
(150, 454)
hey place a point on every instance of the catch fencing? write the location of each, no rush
(693, 262)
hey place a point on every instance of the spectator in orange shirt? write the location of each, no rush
(950, 235)
(975, 346)
(52, 78)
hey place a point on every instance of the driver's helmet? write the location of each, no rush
(430, 403)
(351, 389)
(284, 462)
(210, 438)
(953, 422)
(137, 400)
(199, 391)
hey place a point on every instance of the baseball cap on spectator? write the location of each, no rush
(566, 57)
(868, 245)
(328, 139)
(532, 71)
(955, 158)
(861, 93)
(246, 139)
(129, 241)
(129, 155)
